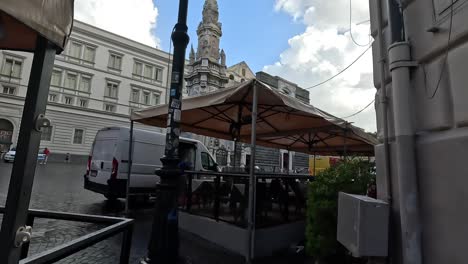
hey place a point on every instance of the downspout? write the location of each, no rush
(400, 62)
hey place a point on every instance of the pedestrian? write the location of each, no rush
(67, 158)
(46, 153)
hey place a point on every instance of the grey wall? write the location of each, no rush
(439, 122)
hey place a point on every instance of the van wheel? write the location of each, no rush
(110, 197)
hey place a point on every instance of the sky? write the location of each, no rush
(304, 41)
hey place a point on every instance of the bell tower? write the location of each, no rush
(207, 68)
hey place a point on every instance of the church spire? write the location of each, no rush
(192, 55)
(207, 68)
(209, 32)
(210, 12)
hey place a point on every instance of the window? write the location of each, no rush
(70, 81)
(148, 71)
(89, 54)
(46, 133)
(109, 108)
(146, 98)
(83, 103)
(112, 89)
(115, 61)
(78, 136)
(207, 161)
(159, 75)
(85, 84)
(231, 77)
(242, 80)
(138, 69)
(12, 67)
(9, 90)
(243, 72)
(52, 98)
(75, 50)
(135, 96)
(156, 99)
(68, 100)
(56, 79)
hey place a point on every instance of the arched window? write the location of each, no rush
(243, 72)
(243, 80)
(231, 77)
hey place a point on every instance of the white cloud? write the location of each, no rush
(324, 49)
(133, 19)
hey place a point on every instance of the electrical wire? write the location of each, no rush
(444, 66)
(351, 27)
(360, 111)
(346, 68)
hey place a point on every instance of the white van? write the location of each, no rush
(108, 161)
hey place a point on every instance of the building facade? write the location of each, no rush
(96, 82)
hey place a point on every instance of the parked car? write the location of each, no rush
(10, 156)
(107, 169)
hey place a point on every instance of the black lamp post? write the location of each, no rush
(164, 242)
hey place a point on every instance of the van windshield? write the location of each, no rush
(104, 149)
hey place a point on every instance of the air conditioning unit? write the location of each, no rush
(363, 225)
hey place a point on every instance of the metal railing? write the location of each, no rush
(279, 198)
(116, 226)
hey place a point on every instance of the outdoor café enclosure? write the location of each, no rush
(253, 209)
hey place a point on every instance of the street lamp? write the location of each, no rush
(164, 242)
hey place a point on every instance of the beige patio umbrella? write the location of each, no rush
(282, 121)
(21, 21)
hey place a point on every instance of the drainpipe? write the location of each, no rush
(399, 54)
(400, 62)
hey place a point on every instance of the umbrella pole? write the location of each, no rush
(253, 180)
(129, 172)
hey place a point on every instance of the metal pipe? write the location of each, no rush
(22, 176)
(126, 245)
(405, 153)
(253, 186)
(396, 24)
(130, 164)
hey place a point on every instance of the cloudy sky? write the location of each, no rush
(304, 41)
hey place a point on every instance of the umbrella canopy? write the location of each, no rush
(283, 121)
(22, 20)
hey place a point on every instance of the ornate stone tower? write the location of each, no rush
(206, 71)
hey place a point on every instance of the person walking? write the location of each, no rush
(46, 155)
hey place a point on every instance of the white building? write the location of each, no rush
(98, 79)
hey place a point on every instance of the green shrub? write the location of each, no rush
(322, 207)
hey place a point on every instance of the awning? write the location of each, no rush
(22, 20)
(283, 121)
